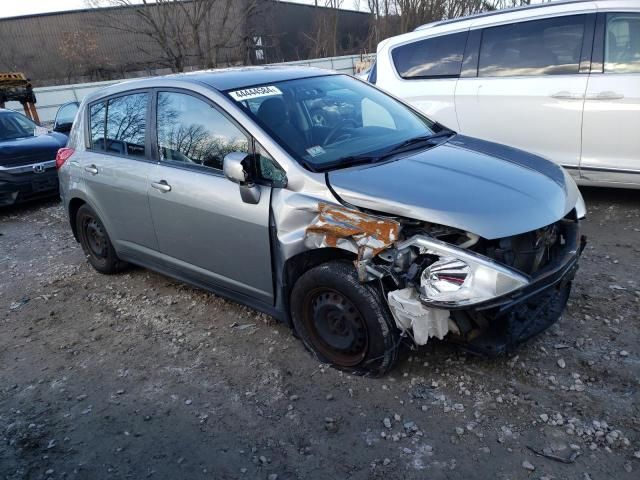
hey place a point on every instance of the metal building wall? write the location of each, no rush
(40, 45)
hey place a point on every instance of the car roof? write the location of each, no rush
(507, 15)
(492, 13)
(219, 79)
(241, 77)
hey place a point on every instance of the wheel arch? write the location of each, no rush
(298, 264)
(74, 205)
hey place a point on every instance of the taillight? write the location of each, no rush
(62, 156)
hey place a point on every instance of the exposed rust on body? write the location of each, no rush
(369, 234)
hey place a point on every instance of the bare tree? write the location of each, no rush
(392, 17)
(323, 37)
(81, 57)
(181, 33)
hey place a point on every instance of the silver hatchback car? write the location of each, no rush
(326, 203)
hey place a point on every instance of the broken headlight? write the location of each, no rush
(460, 277)
(454, 281)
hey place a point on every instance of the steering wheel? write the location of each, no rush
(338, 128)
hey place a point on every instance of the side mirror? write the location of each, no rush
(233, 168)
(64, 117)
(62, 127)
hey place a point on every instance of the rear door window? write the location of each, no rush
(433, 57)
(126, 125)
(118, 125)
(541, 47)
(622, 43)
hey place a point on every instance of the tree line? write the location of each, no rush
(197, 32)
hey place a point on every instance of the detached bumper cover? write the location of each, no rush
(526, 312)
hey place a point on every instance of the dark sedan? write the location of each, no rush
(27, 159)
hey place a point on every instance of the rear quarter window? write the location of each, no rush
(97, 123)
(622, 43)
(431, 58)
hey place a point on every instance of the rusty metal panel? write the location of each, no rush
(367, 234)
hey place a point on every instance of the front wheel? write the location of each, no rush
(344, 322)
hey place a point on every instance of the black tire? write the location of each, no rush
(96, 243)
(344, 322)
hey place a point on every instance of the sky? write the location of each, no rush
(14, 8)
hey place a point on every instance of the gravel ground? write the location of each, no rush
(137, 375)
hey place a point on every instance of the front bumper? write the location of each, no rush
(516, 317)
(27, 182)
(499, 324)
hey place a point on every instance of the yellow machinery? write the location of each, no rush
(17, 87)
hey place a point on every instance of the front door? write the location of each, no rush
(202, 225)
(529, 89)
(610, 139)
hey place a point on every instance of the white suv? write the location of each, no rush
(560, 79)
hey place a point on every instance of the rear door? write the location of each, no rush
(610, 140)
(525, 86)
(116, 166)
(205, 231)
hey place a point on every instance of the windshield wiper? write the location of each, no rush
(349, 161)
(408, 144)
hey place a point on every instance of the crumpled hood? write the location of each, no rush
(480, 187)
(22, 151)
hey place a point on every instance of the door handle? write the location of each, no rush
(92, 169)
(162, 185)
(564, 95)
(608, 95)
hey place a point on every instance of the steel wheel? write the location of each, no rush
(96, 238)
(337, 329)
(95, 242)
(342, 321)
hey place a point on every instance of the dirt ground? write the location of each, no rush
(139, 376)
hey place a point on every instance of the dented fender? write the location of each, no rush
(361, 233)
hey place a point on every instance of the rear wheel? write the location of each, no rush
(96, 243)
(344, 322)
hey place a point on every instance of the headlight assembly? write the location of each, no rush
(459, 277)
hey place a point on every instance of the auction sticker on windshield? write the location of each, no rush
(256, 92)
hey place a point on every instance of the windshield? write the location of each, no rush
(13, 125)
(332, 121)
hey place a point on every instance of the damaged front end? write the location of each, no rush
(488, 295)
